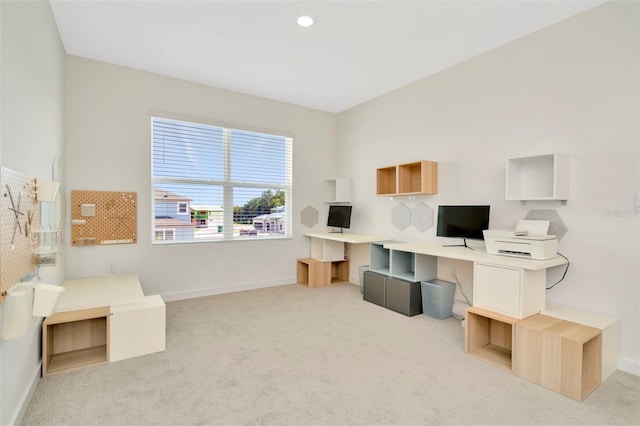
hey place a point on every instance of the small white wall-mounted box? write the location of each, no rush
(336, 190)
(540, 177)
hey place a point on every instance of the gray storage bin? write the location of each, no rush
(437, 298)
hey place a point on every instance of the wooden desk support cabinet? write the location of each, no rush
(560, 355)
(101, 320)
(316, 273)
(489, 336)
(327, 262)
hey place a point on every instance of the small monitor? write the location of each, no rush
(466, 222)
(339, 217)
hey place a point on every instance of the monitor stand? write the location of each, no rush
(459, 245)
(336, 232)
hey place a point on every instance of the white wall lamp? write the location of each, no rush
(305, 21)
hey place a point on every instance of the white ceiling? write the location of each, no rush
(356, 51)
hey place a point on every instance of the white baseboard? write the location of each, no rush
(25, 399)
(192, 294)
(629, 366)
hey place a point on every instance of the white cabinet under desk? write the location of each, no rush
(511, 291)
(508, 285)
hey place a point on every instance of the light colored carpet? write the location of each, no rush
(291, 355)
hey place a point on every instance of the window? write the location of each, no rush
(182, 208)
(215, 183)
(164, 234)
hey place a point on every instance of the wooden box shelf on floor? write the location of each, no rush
(560, 355)
(489, 336)
(318, 273)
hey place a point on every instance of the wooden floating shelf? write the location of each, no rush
(417, 178)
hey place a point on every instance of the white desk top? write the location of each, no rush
(476, 255)
(96, 292)
(346, 238)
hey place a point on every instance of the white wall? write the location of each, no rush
(573, 88)
(31, 135)
(109, 149)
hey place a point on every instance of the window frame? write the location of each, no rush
(228, 185)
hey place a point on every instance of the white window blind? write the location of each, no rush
(235, 184)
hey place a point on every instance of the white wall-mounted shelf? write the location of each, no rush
(536, 178)
(336, 190)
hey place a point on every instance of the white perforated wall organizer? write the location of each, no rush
(20, 217)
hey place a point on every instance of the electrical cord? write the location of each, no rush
(563, 275)
(461, 291)
(455, 277)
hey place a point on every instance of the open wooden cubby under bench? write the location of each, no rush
(318, 273)
(75, 339)
(489, 336)
(560, 355)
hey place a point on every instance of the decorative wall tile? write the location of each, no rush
(557, 226)
(401, 216)
(422, 217)
(309, 217)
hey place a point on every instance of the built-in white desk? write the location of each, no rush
(346, 237)
(477, 254)
(504, 284)
(99, 320)
(329, 246)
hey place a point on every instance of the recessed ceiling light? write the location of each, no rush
(305, 21)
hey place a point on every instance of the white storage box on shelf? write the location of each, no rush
(508, 243)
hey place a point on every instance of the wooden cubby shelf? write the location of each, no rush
(489, 336)
(417, 178)
(560, 355)
(75, 339)
(317, 273)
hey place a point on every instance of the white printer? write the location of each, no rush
(520, 244)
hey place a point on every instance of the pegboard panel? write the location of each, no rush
(20, 217)
(108, 218)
